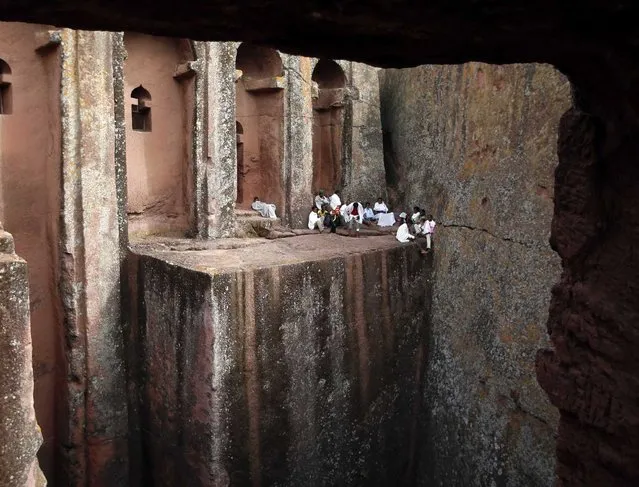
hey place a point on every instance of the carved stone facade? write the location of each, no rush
(108, 137)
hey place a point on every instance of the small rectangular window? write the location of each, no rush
(141, 118)
(5, 99)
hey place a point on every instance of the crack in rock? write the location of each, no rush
(527, 244)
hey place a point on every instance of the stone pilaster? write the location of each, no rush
(298, 143)
(364, 175)
(199, 206)
(95, 427)
(216, 180)
(20, 435)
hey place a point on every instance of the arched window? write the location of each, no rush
(258, 62)
(141, 109)
(329, 75)
(6, 103)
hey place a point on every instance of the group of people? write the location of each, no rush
(422, 225)
(329, 212)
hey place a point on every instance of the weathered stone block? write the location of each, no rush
(284, 369)
(20, 435)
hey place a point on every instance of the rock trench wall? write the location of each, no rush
(476, 146)
(301, 374)
(20, 434)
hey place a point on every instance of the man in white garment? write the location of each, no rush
(415, 218)
(267, 210)
(335, 201)
(315, 221)
(321, 199)
(403, 234)
(369, 214)
(428, 228)
(380, 206)
(353, 215)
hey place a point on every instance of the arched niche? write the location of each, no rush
(260, 117)
(328, 122)
(6, 101)
(141, 109)
(158, 134)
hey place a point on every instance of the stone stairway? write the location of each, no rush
(249, 223)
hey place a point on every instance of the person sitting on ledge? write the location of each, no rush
(320, 199)
(267, 210)
(403, 234)
(325, 214)
(369, 215)
(415, 217)
(336, 217)
(353, 215)
(315, 220)
(380, 206)
(335, 201)
(428, 228)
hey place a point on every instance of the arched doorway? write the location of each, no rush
(328, 122)
(260, 117)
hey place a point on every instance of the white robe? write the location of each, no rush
(346, 212)
(403, 235)
(335, 201)
(313, 218)
(321, 200)
(428, 227)
(267, 210)
(369, 215)
(380, 207)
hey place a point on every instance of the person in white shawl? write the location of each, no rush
(335, 201)
(353, 215)
(428, 228)
(321, 200)
(403, 234)
(267, 210)
(380, 206)
(315, 221)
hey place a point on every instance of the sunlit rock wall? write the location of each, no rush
(476, 146)
(293, 375)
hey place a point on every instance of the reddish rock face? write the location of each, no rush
(157, 142)
(260, 117)
(29, 202)
(328, 126)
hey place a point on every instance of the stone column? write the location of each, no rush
(298, 143)
(20, 435)
(364, 175)
(217, 181)
(94, 433)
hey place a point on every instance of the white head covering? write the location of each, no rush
(402, 215)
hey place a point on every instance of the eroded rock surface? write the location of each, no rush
(297, 362)
(20, 435)
(475, 145)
